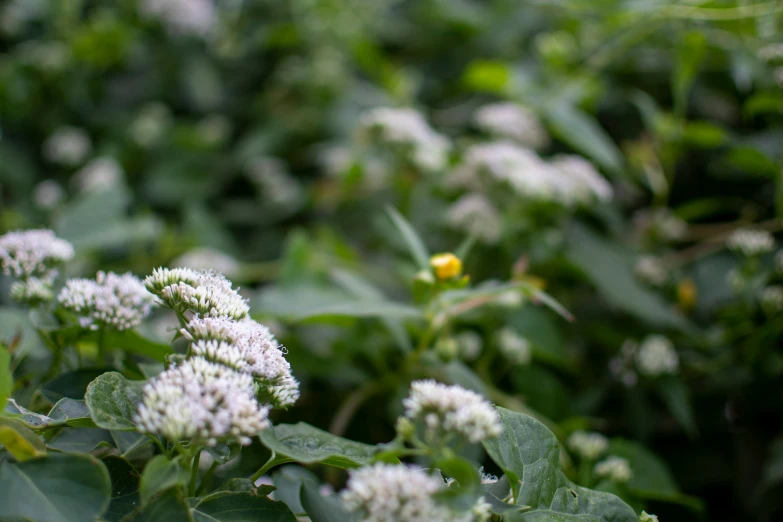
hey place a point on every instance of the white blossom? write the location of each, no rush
(206, 258)
(475, 214)
(622, 366)
(651, 270)
(582, 183)
(444, 410)
(656, 356)
(31, 290)
(189, 17)
(408, 128)
(393, 493)
(515, 348)
(110, 300)
(749, 242)
(99, 175)
(588, 445)
(772, 299)
(67, 146)
(204, 293)
(33, 253)
(150, 125)
(662, 223)
(48, 194)
(614, 468)
(509, 120)
(470, 344)
(203, 402)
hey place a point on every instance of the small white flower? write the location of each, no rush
(475, 214)
(150, 125)
(662, 223)
(447, 409)
(33, 253)
(408, 128)
(749, 242)
(188, 17)
(509, 120)
(99, 175)
(614, 468)
(32, 290)
(772, 299)
(67, 146)
(657, 356)
(588, 445)
(470, 344)
(110, 300)
(651, 270)
(582, 184)
(203, 402)
(515, 349)
(48, 194)
(206, 258)
(393, 493)
(204, 293)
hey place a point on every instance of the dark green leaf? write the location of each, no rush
(161, 474)
(19, 441)
(6, 379)
(412, 240)
(675, 395)
(582, 132)
(72, 385)
(80, 440)
(113, 401)
(241, 507)
(57, 488)
(168, 507)
(306, 444)
(124, 488)
(321, 509)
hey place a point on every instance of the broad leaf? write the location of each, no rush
(6, 379)
(124, 488)
(161, 474)
(582, 132)
(675, 395)
(168, 507)
(67, 412)
(412, 240)
(306, 444)
(113, 401)
(241, 507)
(529, 455)
(56, 488)
(80, 440)
(72, 385)
(19, 441)
(321, 509)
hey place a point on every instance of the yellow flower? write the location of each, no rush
(446, 266)
(686, 294)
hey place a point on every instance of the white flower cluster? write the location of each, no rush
(469, 344)
(512, 121)
(204, 293)
(201, 401)
(515, 349)
(98, 175)
(248, 347)
(408, 128)
(446, 410)
(189, 17)
(656, 356)
(749, 242)
(67, 146)
(651, 270)
(110, 300)
(661, 223)
(772, 299)
(588, 445)
(474, 213)
(391, 493)
(150, 125)
(567, 180)
(32, 257)
(614, 468)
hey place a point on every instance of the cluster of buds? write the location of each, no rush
(32, 257)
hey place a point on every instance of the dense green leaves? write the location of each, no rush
(113, 400)
(306, 444)
(529, 455)
(20, 442)
(161, 474)
(124, 488)
(55, 488)
(241, 507)
(169, 507)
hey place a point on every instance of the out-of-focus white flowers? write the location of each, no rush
(32, 257)
(206, 258)
(99, 175)
(661, 224)
(451, 410)
(203, 402)
(391, 493)
(204, 293)
(651, 270)
(474, 213)
(749, 242)
(656, 356)
(614, 468)
(581, 181)
(190, 17)
(512, 121)
(276, 184)
(109, 301)
(772, 299)
(48, 194)
(469, 344)
(588, 445)
(150, 125)
(51, 57)
(407, 128)
(67, 146)
(515, 348)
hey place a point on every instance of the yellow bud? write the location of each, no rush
(446, 266)
(686, 294)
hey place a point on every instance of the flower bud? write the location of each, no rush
(405, 428)
(447, 348)
(446, 266)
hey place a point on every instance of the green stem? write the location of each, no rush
(194, 473)
(266, 467)
(205, 478)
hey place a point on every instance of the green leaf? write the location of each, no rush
(464, 494)
(60, 487)
(161, 474)
(690, 53)
(610, 268)
(113, 400)
(288, 481)
(168, 507)
(541, 330)
(124, 488)
(412, 240)
(72, 385)
(20, 442)
(321, 509)
(80, 440)
(67, 412)
(529, 455)
(131, 341)
(306, 444)
(487, 76)
(675, 396)
(6, 379)
(582, 132)
(241, 507)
